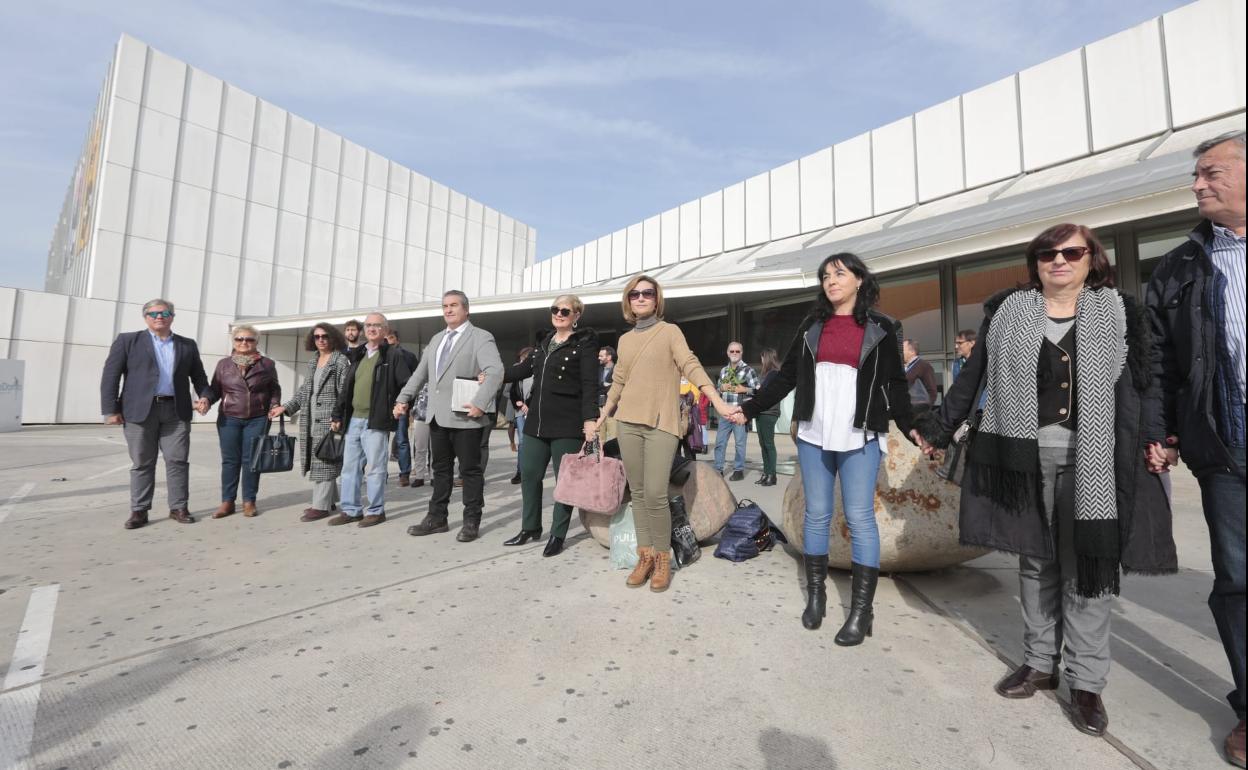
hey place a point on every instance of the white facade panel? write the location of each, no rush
(990, 132)
(892, 166)
(301, 139)
(328, 150)
(618, 265)
(565, 267)
(815, 171)
(105, 278)
(350, 202)
(271, 127)
(352, 161)
(166, 80)
(266, 177)
(651, 243)
(158, 143)
(378, 169)
(455, 236)
(123, 132)
(285, 291)
(227, 225)
(786, 206)
(419, 188)
(253, 292)
(633, 244)
(1205, 59)
(414, 274)
(669, 237)
(711, 215)
(239, 114)
(459, 204)
(417, 223)
(320, 247)
(296, 184)
(734, 216)
(435, 273)
(261, 237)
(130, 65)
(198, 157)
(757, 209)
(507, 256)
(472, 242)
(43, 375)
(143, 276)
(315, 297)
(79, 397)
(149, 216)
(374, 221)
(392, 258)
(1127, 86)
(690, 230)
(184, 281)
(439, 196)
(438, 225)
(203, 103)
(367, 295)
(342, 295)
(221, 284)
(938, 149)
(489, 249)
(396, 216)
(346, 253)
(292, 231)
(91, 321)
(233, 167)
(32, 313)
(114, 198)
(1054, 88)
(370, 259)
(190, 216)
(851, 167)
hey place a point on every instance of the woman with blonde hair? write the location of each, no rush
(643, 400)
(245, 383)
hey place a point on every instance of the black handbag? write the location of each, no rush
(685, 546)
(273, 454)
(330, 448)
(954, 465)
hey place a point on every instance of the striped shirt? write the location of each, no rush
(1227, 253)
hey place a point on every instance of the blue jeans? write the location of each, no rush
(520, 420)
(403, 445)
(738, 434)
(857, 470)
(236, 436)
(369, 448)
(1223, 496)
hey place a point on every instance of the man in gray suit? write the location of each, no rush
(459, 352)
(144, 389)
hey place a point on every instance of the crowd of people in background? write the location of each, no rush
(1077, 396)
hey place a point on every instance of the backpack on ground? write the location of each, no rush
(747, 533)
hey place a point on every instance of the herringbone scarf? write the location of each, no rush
(1006, 455)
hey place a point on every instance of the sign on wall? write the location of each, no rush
(12, 382)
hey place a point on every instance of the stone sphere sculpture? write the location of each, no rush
(707, 498)
(916, 510)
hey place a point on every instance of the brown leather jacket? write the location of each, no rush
(245, 397)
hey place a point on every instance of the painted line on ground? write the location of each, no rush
(19, 699)
(108, 472)
(13, 500)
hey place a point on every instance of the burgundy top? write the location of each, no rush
(841, 341)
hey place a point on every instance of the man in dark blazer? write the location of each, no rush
(144, 389)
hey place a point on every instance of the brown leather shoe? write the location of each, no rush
(313, 514)
(372, 520)
(418, 483)
(1235, 745)
(1087, 712)
(137, 519)
(249, 509)
(662, 577)
(182, 516)
(225, 509)
(404, 480)
(1024, 681)
(341, 519)
(645, 565)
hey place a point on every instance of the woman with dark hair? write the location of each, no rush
(765, 423)
(1058, 469)
(326, 376)
(845, 363)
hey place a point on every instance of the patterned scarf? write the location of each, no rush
(1005, 454)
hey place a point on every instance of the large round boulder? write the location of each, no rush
(707, 498)
(916, 510)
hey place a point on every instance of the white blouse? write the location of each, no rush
(831, 423)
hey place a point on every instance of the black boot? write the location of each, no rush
(524, 537)
(862, 594)
(816, 591)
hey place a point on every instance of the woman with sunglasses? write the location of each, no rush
(645, 403)
(562, 410)
(326, 375)
(1058, 469)
(845, 363)
(246, 385)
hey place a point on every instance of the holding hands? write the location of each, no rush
(1159, 457)
(201, 406)
(400, 409)
(276, 412)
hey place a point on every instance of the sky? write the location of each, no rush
(576, 118)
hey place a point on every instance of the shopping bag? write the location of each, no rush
(623, 539)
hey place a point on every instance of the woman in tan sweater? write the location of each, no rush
(647, 411)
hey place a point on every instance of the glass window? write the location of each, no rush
(1154, 244)
(976, 283)
(708, 339)
(915, 301)
(772, 327)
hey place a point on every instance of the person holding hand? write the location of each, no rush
(645, 403)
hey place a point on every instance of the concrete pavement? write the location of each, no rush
(268, 643)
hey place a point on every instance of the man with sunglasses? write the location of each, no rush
(144, 389)
(1196, 297)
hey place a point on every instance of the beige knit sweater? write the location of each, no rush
(645, 386)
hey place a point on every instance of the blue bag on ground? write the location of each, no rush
(747, 532)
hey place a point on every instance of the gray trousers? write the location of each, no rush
(420, 450)
(324, 494)
(1058, 624)
(163, 431)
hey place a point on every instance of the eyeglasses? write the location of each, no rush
(734, 352)
(251, 340)
(563, 312)
(1070, 253)
(159, 314)
(374, 326)
(640, 293)
(320, 336)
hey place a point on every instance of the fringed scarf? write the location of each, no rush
(1005, 454)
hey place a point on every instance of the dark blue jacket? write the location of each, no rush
(133, 360)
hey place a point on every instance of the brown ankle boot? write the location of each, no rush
(227, 507)
(662, 577)
(645, 565)
(249, 509)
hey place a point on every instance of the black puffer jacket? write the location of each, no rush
(882, 394)
(565, 385)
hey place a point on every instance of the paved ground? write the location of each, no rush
(266, 643)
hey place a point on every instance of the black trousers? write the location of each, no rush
(448, 445)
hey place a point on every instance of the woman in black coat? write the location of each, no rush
(1058, 468)
(562, 413)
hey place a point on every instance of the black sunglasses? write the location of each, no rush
(320, 336)
(1070, 253)
(159, 314)
(639, 293)
(563, 312)
(244, 339)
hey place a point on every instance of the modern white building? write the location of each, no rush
(292, 224)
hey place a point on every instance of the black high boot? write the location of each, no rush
(862, 594)
(816, 590)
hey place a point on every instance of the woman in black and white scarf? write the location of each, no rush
(1058, 471)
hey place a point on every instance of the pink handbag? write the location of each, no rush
(590, 481)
